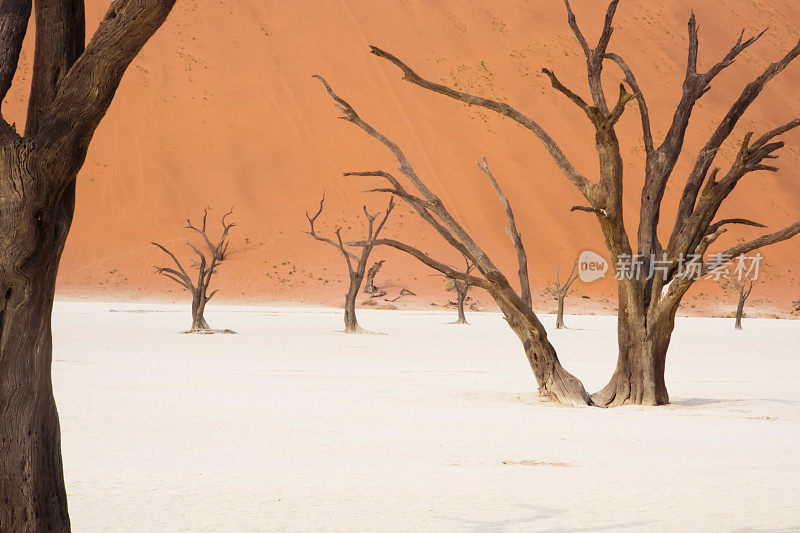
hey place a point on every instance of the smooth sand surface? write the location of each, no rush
(220, 110)
(291, 425)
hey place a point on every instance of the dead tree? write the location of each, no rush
(356, 264)
(369, 281)
(648, 303)
(744, 289)
(71, 87)
(207, 264)
(562, 291)
(403, 292)
(554, 382)
(461, 288)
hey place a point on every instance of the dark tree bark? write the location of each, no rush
(206, 267)
(555, 383)
(356, 264)
(647, 306)
(70, 92)
(369, 282)
(562, 291)
(744, 293)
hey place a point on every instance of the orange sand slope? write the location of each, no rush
(220, 109)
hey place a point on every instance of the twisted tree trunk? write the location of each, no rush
(70, 92)
(198, 309)
(555, 383)
(639, 377)
(32, 495)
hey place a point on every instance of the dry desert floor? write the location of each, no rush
(291, 425)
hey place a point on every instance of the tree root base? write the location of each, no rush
(211, 332)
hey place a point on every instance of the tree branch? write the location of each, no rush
(86, 90)
(644, 112)
(598, 212)
(450, 229)
(583, 184)
(345, 253)
(14, 15)
(714, 227)
(174, 259)
(594, 56)
(723, 131)
(60, 40)
(313, 232)
(765, 240)
(513, 233)
(434, 264)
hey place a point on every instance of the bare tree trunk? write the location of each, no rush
(744, 294)
(560, 312)
(555, 383)
(350, 319)
(369, 286)
(739, 313)
(639, 377)
(70, 91)
(198, 309)
(462, 289)
(562, 291)
(32, 494)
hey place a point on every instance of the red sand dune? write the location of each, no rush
(220, 109)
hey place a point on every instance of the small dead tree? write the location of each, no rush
(356, 264)
(72, 85)
(369, 281)
(562, 291)
(744, 288)
(403, 292)
(461, 288)
(555, 383)
(648, 304)
(207, 263)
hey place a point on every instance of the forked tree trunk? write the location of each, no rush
(32, 494)
(70, 92)
(639, 377)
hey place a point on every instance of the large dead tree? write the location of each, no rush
(554, 382)
(356, 264)
(743, 288)
(562, 291)
(647, 304)
(207, 263)
(71, 87)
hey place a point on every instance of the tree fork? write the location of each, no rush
(71, 90)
